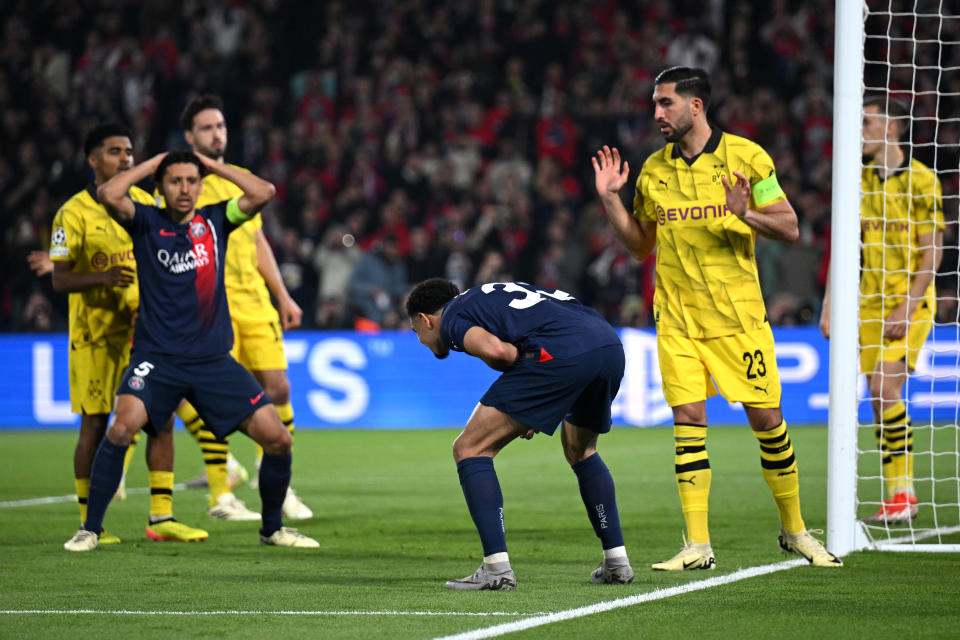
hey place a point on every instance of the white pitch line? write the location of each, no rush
(244, 612)
(658, 594)
(72, 497)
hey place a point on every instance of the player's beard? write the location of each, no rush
(210, 153)
(679, 131)
(443, 352)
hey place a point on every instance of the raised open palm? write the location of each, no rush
(609, 175)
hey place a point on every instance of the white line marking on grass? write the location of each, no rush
(244, 612)
(72, 497)
(658, 594)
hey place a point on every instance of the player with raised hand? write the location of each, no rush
(257, 326)
(562, 364)
(701, 199)
(91, 258)
(902, 236)
(181, 346)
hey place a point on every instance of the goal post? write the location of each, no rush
(843, 532)
(909, 51)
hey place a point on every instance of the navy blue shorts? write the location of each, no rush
(578, 390)
(219, 388)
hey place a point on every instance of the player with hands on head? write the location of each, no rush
(181, 346)
(91, 259)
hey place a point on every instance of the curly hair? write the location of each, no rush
(430, 295)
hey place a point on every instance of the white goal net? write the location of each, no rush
(902, 464)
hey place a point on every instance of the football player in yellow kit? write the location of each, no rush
(92, 260)
(257, 326)
(902, 235)
(701, 199)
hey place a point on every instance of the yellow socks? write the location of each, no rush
(83, 492)
(780, 472)
(693, 478)
(161, 495)
(896, 444)
(214, 451)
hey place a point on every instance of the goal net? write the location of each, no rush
(895, 477)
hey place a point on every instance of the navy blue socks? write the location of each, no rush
(104, 480)
(274, 480)
(600, 499)
(481, 488)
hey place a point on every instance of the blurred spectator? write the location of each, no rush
(378, 283)
(460, 130)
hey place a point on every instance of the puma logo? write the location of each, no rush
(759, 388)
(786, 473)
(690, 480)
(663, 183)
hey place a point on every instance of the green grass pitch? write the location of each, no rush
(393, 527)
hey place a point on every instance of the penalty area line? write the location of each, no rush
(245, 612)
(657, 594)
(72, 497)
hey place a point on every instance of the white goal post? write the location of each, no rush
(855, 483)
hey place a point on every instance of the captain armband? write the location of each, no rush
(234, 214)
(767, 190)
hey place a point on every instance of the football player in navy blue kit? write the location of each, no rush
(183, 335)
(562, 364)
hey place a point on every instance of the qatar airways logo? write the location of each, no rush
(692, 212)
(177, 262)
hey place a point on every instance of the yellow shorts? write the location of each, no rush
(95, 372)
(875, 348)
(258, 340)
(742, 366)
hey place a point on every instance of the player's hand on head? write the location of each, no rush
(119, 276)
(207, 162)
(738, 194)
(291, 314)
(609, 174)
(40, 262)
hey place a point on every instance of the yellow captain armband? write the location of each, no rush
(767, 190)
(234, 214)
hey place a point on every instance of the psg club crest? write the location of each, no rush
(197, 229)
(136, 383)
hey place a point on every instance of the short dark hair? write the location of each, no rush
(430, 295)
(178, 156)
(95, 137)
(892, 108)
(690, 81)
(195, 106)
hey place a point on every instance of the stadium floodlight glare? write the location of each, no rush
(910, 52)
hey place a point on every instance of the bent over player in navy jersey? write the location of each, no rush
(561, 363)
(182, 339)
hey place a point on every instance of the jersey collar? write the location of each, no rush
(893, 174)
(712, 143)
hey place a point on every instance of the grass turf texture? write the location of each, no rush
(393, 527)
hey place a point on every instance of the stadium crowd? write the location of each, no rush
(428, 138)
